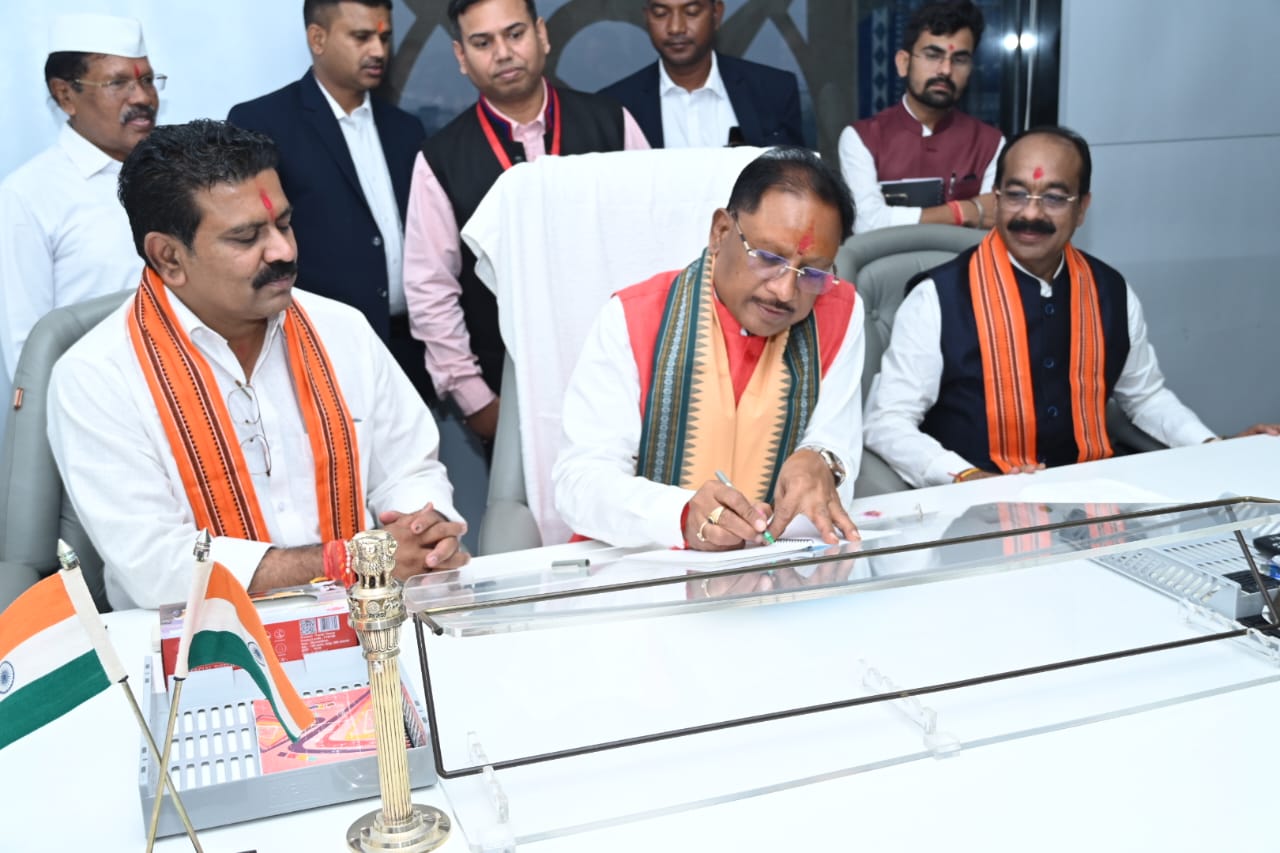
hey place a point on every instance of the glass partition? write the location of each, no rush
(584, 685)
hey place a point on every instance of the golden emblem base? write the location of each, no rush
(426, 830)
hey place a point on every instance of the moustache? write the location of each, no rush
(275, 271)
(947, 81)
(777, 306)
(374, 63)
(138, 111)
(1034, 226)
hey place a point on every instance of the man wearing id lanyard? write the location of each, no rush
(501, 45)
(712, 405)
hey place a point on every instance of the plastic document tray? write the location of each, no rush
(215, 759)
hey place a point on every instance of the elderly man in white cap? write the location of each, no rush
(64, 237)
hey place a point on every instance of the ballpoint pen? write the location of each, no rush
(768, 537)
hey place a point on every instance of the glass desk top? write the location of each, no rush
(568, 695)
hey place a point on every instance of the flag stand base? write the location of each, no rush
(427, 829)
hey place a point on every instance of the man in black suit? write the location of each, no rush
(698, 97)
(346, 161)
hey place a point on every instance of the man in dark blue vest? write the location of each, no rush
(1002, 361)
(698, 97)
(501, 45)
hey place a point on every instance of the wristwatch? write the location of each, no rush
(833, 462)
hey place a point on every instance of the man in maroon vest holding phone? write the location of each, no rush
(922, 160)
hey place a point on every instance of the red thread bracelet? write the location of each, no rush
(337, 564)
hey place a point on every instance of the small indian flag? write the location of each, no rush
(54, 654)
(222, 626)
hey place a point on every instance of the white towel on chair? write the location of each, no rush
(555, 238)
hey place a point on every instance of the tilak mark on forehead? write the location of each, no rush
(1038, 173)
(266, 201)
(137, 71)
(382, 27)
(806, 240)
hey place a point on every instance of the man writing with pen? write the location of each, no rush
(746, 364)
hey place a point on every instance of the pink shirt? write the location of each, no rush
(433, 261)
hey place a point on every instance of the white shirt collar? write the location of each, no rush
(542, 114)
(713, 83)
(87, 158)
(197, 329)
(338, 112)
(925, 130)
(1046, 287)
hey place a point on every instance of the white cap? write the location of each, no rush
(97, 34)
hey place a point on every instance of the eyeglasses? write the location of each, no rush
(937, 56)
(1016, 200)
(120, 87)
(242, 402)
(768, 266)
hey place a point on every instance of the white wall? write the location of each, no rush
(1183, 119)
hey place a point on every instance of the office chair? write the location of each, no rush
(35, 511)
(880, 263)
(606, 221)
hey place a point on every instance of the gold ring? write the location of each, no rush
(701, 528)
(714, 518)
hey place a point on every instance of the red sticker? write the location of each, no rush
(1038, 173)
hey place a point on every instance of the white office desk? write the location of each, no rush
(1190, 776)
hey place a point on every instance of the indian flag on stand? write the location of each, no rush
(221, 625)
(54, 654)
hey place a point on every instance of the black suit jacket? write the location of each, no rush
(766, 101)
(339, 246)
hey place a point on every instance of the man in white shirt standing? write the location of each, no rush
(346, 162)
(220, 398)
(697, 97)
(63, 236)
(1002, 361)
(924, 142)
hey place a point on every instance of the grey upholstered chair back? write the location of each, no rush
(508, 523)
(883, 261)
(34, 508)
(880, 263)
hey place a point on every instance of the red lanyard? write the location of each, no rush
(553, 117)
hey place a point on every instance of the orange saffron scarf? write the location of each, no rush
(202, 436)
(1006, 365)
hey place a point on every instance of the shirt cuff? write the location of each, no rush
(472, 394)
(668, 515)
(944, 468)
(240, 556)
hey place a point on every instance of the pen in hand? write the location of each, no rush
(724, 480)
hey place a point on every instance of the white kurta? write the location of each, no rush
(597, 491)
(64, 237)
(118, 468)
(911, 372)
